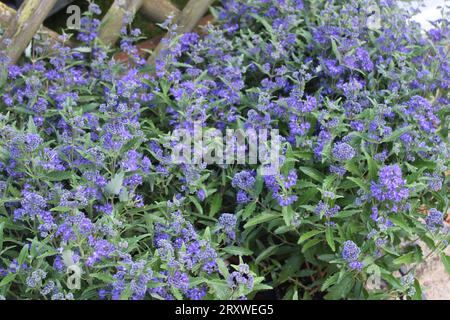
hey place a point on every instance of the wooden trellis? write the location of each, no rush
(21, 26)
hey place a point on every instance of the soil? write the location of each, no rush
(435, 281)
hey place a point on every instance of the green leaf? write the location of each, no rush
(248, 211)
(155, 285)
(359, 182)
(259, 184)
(330, 238)
(446, 261)
(329, 281)
(327, 257)
(126, 294)
(238, 251)
(311, 243)
(352, 167)
(405, 259)
(347, 213)
(207, 234)
(9, 278)
(428, 241)
(89, 107)
(266, 253)
(196, 204)
(372, 167)
(216, 204)
(83, 49)
(61, 209)
(221, 289)
(2, 226)
(283, 229)
(263, 22)
(263, 217)
(23, 255)
(397, 133)
(341, 288)
(393, 281)
(401, 222)
(288, 214)
(328, 182)
(59, 175)
(106, 278)
(418, 293)
(124, 196)
(222, 268)
(31, 125)
(261, 287)
(48, 253)
(335, 50)
(307, 195)
(308, 235)
(313, 173)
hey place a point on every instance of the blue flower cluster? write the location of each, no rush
(350, 253)
(88, 179)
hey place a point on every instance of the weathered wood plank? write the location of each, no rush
(113, 21)
(185, 21)
(191, 15)
(23, 26)
(159, 10)
(7, 13)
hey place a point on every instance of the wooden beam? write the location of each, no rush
(185, 22)
(23, 26)
(7, 13)
(113, 21)
(159, 10)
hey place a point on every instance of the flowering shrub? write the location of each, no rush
(92, 205)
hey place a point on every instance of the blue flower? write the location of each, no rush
(434, 220)
(227, 224)
(343, 151)
(244, 180)
(391, 185)
(350, 251)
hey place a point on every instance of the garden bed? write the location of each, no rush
(291, 150)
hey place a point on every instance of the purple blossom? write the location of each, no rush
(197, 293)
(179, 280)
(243, 180)
(343, 151)
(227, 224)
(391, 185)
(241, 277)
(434, 220)
(323, 209)
(350, 251)
(32, 142)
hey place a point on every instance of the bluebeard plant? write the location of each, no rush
(88, 182)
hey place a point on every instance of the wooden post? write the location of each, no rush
(159, 10)
(23, 26)
(7, 13)
(185, 21)
(113, 21)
